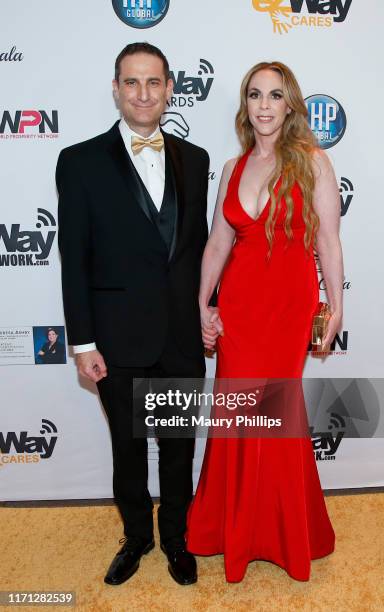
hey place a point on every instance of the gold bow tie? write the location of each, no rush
(138, 143)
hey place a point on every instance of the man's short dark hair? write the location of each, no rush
(141, 47)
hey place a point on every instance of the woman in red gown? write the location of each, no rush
(261, 498)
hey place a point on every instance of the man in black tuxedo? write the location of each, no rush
(132, 229)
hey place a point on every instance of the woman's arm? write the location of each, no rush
(215, 255)
(326, 203)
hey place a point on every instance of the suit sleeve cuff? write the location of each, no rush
(83, 348)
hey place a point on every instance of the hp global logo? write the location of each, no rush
(141, 13)
(327, 119)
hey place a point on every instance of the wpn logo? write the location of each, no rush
(189, 89)
(327, 119)
(346, 194)
(288, 14)
(141, 13)
(21, 448)
(30, 247)
(339, 346)
(29, 124)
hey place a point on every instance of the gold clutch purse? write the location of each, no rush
(320, 325)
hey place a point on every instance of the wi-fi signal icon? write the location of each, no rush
(346, 184)
(47, 427)
(45, 217)
(205, 67)
(336, 421)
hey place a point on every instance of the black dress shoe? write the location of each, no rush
(127, 560)
(181, 563)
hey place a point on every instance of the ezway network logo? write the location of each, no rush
(22, 448)
(346, 195)
(15, 126)
(342, 408)
(327, 119)
(27, 248)
(141, 13)
(288, 14)
(326, 443)
(190, 89)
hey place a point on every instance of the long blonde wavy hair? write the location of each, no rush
(293, 150)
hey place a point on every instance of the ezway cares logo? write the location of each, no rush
(141, 13)
(288, 14)
(22, 448)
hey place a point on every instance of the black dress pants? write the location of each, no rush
(130, 453)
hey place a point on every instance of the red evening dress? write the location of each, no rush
(261, 498)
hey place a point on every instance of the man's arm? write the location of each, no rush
(75, 249)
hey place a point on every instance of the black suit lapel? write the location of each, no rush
(126, 169)
(173, 150)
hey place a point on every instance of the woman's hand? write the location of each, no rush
(334, 325)
(211, 326)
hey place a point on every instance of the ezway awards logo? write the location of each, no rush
(288, 14)
(191, 88)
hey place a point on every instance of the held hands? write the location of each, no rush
(211, 326)
(91, 365)
(334, 325)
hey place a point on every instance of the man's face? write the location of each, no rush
(142, 91)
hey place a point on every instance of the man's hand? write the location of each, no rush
(91, 365)
(211, 326)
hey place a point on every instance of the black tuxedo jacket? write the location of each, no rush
(121, 288)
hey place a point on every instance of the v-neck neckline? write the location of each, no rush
(268, 202)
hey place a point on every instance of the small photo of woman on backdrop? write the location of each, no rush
(48, 347)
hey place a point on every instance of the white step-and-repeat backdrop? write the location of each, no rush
(56, 67)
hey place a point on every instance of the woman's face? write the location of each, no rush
(52, 336)
(266, 106)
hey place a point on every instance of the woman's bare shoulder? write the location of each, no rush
(321, 162)
(228, 167)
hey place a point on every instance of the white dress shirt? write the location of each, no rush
(150, 165)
